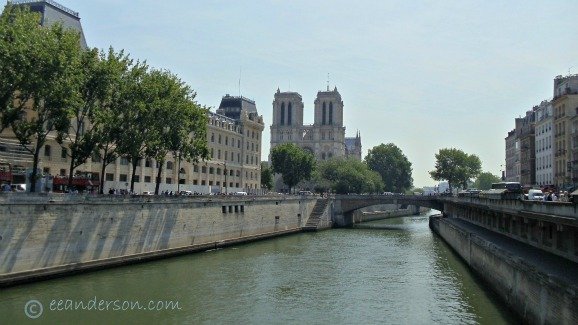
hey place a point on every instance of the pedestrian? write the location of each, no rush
(554, 197)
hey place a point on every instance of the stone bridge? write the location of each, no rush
(345, 205)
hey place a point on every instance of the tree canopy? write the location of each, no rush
(392, 165)
(456, 167)
(293, 163)
(49, 63)
(485, 181)
(344, 176)
(266, 177)
(100, 105)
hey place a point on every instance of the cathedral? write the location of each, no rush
(325, 139)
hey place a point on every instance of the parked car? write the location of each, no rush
(305, 193)
(240, 193)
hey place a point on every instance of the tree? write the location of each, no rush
(293, 163)
(139, 92)
(266, 177)
(348, 176)
(393, 166)
(49, 59)
(93, 90)
(485, 181)
(455, 166)
(17, 32)
(108, 123)
(183, 128)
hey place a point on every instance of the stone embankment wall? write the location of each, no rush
(385, 211)
(43, 236)
(537, 297)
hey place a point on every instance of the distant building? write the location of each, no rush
(525, 128)
(565, 105)
(512, 157)
(325, 139)
(52, 12)
(543, 144)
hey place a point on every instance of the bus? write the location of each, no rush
(81, 182)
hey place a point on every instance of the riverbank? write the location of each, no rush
(47, 236)
(539, 286)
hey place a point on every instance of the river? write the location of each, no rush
(385, 272)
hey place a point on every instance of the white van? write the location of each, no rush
(535, 195)
(240, 193)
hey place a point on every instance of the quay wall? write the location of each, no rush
(43, 236)
(536, 297)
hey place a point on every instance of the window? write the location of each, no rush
(123, 161)
(219, 154)
(147, 179)
(109, 177)
(123, 178)
(148, 163)
(219, 138)
(47, 150)
(195, 182)
(46, 171)
(195, 168)
(239, 144)
(218, 172)
(63, 172)
(170, 165)
(323, 115)
(136, 178)
(212, 153)
(63, 153)
(330, 113)
(211, 170)
(203, 182)
(289, 113)
(282, 115)
(96, 158)
(212, 137)
(169, 180)
(226, 141)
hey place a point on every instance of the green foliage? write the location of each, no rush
(293, 163)
(456, 166)
(485, 180)
(266, 177)
(183, 128)
(392, 165)
(347, 176)
(107, 120)
(48, 61)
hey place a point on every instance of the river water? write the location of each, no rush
(384, 272)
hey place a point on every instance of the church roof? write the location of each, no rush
(52, 12)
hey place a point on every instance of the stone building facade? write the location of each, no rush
(565, 105)
(543, 144)
(325, 139)
(234, 136)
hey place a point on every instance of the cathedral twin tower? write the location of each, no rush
(325, 139)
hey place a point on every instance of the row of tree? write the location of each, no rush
(100, 104)
(384, 168)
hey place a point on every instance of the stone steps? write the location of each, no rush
(315, 216)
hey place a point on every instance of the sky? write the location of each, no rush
(423, 75)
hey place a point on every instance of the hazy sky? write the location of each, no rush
(423, 75)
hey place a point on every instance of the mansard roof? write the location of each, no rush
(231, 106)
(52, 12)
